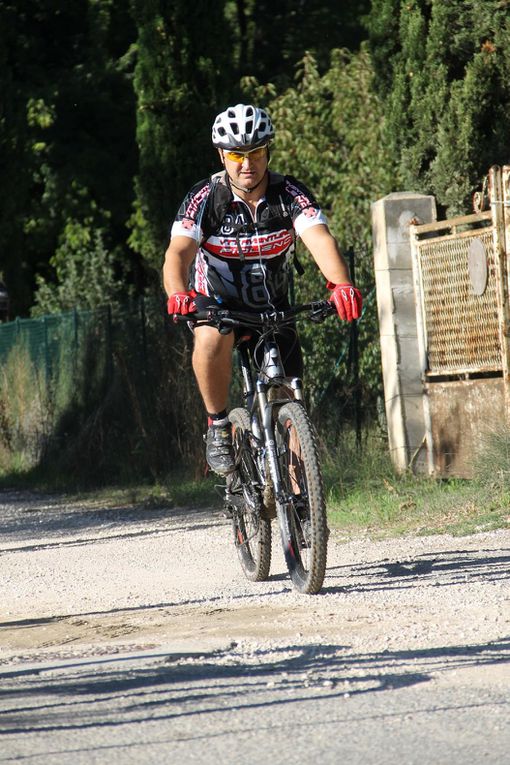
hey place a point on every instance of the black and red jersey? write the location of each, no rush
(244, 259)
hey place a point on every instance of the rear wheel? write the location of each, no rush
(252, 532)
(305, 542)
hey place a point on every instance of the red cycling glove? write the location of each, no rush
(347, 299)
(181, 303)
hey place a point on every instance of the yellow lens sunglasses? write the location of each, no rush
(239, 156)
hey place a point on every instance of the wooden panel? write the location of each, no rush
(462, 413)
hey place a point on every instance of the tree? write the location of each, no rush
(329, 134)
(15, 156)
(72, 113)
(443, 72)
(67, 142)
(87, 273)
(181, 78)
(189, 62)
(275, 36)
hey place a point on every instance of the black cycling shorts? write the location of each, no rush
(287, 338)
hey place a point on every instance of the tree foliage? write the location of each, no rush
(181, 76)
(272, 37)
(87, 273)
(67, 130)
(442, 69)
(330, 135)
(106, 112)
(107, 105)
(189, 62)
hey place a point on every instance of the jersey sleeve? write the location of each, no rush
(188, 221)
(305, 209)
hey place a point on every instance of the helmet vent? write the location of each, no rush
(235, 127)
(249, 126)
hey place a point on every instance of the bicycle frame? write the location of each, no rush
(271, 375)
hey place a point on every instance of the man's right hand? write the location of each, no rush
(181, 303)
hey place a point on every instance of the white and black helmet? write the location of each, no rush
(242, 127)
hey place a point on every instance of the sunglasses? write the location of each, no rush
(239, 156)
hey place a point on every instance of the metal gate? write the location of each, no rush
(460, 269)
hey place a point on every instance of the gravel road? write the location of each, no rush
(130, 634)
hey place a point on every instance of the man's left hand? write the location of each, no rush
(347, 300)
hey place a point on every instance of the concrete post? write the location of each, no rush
(396, 308)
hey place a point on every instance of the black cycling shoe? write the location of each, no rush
(218, 449)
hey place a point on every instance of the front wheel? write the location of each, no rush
(252, 531)
(305, 532)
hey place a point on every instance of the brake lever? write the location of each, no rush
(321, 310)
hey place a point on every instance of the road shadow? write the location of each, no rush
(116, 691)
(444, 568)
(25, 517)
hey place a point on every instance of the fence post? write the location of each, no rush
(75, 339)
(500, 201)
(144, 333)
(109, 343)
(46, 351)
(403, 388)
(354, 356)
(75, 326)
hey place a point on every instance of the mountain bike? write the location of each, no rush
(277, 467)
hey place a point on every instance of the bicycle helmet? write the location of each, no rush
(242, 127)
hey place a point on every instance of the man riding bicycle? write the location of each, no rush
(235, 233)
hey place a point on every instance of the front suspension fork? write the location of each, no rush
(283, 501)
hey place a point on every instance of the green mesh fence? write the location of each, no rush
(84, 381)
(43, 338)
(110, 392)
(55, 340)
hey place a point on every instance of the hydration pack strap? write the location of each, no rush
(220, 199)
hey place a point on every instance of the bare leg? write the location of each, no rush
(212, 365)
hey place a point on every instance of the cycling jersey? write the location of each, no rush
(242, 259)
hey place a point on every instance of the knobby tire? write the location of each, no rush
(252, 532)
(306, 548)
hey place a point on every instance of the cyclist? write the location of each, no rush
(232, 244)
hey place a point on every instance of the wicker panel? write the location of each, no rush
(461, 327)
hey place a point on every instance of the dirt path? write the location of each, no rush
(80, 581)
(76, 576)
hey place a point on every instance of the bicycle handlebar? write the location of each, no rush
(225, 318)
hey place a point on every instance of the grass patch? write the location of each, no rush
(364, 495)
(178, 489)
